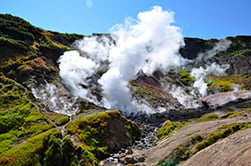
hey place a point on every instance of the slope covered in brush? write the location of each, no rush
(30, 133)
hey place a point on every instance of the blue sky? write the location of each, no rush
(197, 18)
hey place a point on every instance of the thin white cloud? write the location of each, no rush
(89, 3)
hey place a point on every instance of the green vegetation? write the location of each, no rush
(18, 29)
(28, 153)
(46, 149)
(58, 119)
(180, 153)
(227, 83)
(28, 137)
(168, 127)
(29, 55)
(207, 117)
(220, 133)
(18, 44)
(240, 52)
(24, 49)
(168, 163)
(220, 85)
(95, 131)
(19, 118)
(195, 139)
(240, 46)
(197, 142)
(69, 152)
(73, 127)
(231, 115)
(149, 92)
(234, 113)
(185, 77)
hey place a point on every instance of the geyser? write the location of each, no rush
(146, 44)
(200, 74)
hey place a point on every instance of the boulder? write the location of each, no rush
(223, 98)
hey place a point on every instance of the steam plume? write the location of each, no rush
(75, 71)
(219, 70)
(149, 43)
(56, 98)
(187, 97)
(152, 43)
(222, 45)
(200, 73)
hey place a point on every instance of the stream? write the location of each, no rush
(132, 154)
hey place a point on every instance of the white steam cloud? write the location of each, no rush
(186, 97)
(210, 69)
(78, 70)
(200, 74)
(152, 43)
(96, 48)
(222, 45)
(56, 98)
(75, 71)
(149, 43)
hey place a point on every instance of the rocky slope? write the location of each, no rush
(234, 150)
(190, 128)
(30, 132)
(195, 135)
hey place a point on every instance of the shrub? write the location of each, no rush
(181, 153)
(168, 163)
(27, 153)
(168, 127)
(207, 117)
(226, 83)
(220, 133)
(230, 115)
(58, 119)
(95, 132)
(195, 139)
(68, 151)
(186, 78)
(220, 86)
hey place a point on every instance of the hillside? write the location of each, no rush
(45, 121)
(31, 134)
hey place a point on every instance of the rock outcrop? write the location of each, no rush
(181, 144)
(231, 151)
(223, 98)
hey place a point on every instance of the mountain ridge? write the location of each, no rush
(29, 59)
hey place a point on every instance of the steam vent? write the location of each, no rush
(141, 95)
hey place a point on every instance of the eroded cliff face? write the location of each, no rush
(33, 97)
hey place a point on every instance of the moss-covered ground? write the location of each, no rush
(95, 133)
(19, 118)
